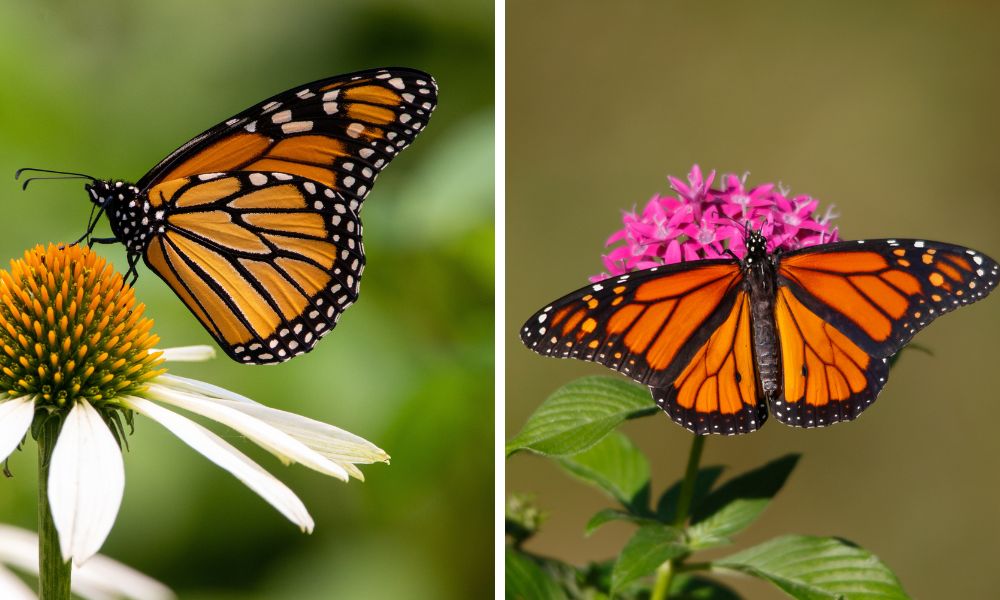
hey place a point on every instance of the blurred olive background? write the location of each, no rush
(109, 88)
(889, 110)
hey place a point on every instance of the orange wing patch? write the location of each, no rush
(228, 154)
(639, 326)
(827, 377)
(259, 267)
(717, 390)
(879, 293)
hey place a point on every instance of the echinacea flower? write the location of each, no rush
(100, 579)
(77, 358)
(704, 222)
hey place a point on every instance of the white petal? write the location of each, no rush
(340, 446)
(12, 588)
(221, 453)
(15, 419)
(86, 483)
(271, 439)
(101, 578)
(19, 548)
(187, 353)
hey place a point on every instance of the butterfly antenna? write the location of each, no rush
(62, 175)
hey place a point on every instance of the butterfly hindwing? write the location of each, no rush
(717, 392)
(827, 378)
(339, 132)
(266, 261)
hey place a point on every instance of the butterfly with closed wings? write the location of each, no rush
(805, 335)
(254, 223)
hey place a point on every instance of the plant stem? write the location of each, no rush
(53, 573)
(661, 588)
(690, 475)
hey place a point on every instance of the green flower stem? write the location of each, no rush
(687, 488)
(664, 573)
(53, 573)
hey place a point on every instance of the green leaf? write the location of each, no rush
(607, 515)
(615, 465)
(738, 503)
(525, 580)
(685, 586)
(818, 568)
(580, 414)
(649, 547)
(666, 507)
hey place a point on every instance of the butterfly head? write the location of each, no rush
(106, 194)
(756, 245)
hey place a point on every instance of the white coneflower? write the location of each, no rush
(100, 579)
(76, 363)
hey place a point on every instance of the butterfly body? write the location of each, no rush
(129, 213)
(255, 222)
(761, 281)
(804, 335)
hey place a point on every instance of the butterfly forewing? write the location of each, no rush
(266, 261)
(339, 132)
(646, 325)
(879, 293)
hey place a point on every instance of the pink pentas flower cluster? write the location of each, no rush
(704, 222)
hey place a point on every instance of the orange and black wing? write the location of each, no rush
(266, 261)
(717, 391)
(844, 309)
(683, 329)
(339, 132)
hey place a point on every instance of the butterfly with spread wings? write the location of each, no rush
(805, 335)
(254, 223)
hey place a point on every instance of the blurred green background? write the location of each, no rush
(109, 88)
(889, 110)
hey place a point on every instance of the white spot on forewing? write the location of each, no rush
(918, 244)
(355, 130)
(297, 126)
(258, 178)
(397, 83)
(281, 117)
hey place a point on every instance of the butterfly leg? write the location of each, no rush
(92, 241)
(133, 260)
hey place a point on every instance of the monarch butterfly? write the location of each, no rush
(808, 333)
(254, 223)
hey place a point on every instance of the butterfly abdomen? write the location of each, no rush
(761, 280)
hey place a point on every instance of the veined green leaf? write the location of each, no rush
(615, 465)
(818, 568)
(737, 503)
(580, 414)
(525, 580)
(666, 506)
(648, 548)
